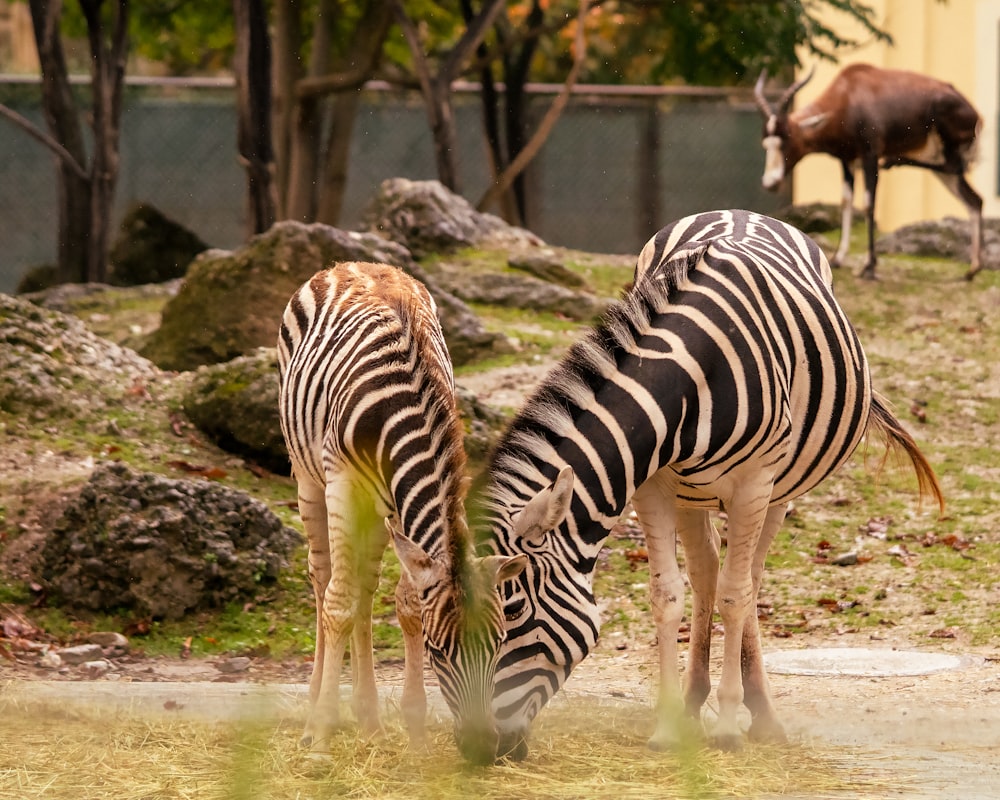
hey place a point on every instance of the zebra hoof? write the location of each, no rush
(676, 734)
(727, 742)
(767, 731)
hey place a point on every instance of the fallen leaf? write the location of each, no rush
(138, 389)
(256, 470)
(177, 424)
(956, 541)
(215, 473)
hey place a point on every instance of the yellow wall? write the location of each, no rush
(954, 41)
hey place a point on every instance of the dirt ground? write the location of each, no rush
(937, 734)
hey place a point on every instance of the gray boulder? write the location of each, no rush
(945, 238)
(231, 302)
(151, 248)
(236, 405)
(161, 547)
(544, 264)
(52, 367)
(519, 291)
(428, 218)
(812, 217)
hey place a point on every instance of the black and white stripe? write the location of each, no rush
(728, 374)
(368, 410)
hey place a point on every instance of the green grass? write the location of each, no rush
(931, 338)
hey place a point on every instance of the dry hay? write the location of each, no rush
(580, 749)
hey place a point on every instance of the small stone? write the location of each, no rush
(81, 653)
(95, 669)
(845, 559)
(108, 639)
(50, 660)
(235, 664)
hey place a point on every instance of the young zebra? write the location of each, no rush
(367, 407)
(728, 375)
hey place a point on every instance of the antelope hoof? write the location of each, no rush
(868, 274)
(972, 273)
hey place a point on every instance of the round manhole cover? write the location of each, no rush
(859, 661)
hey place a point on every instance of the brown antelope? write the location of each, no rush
(878, 118)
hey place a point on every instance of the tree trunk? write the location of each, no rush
(287, 70)
(107, 78)
(436, 88)
(253, 80)
(307, 124)
(361, 60)
(343, 112)
(530, 150)
(63, 122)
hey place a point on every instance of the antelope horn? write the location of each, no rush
(758, 95)
(789, 95)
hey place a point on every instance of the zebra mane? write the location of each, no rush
(524, 460)
(434, 372)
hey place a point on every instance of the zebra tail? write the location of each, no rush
(896, 438)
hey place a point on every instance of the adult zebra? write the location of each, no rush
(728, 375)
(367, 408)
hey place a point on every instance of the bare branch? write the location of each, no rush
(61, 152)
(517, 166)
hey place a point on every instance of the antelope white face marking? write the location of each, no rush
(774, 159)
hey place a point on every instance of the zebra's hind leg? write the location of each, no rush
(701, 554)
(654, 507)
(764, 725)
(336, 610)
(312, 509)
(748, 508)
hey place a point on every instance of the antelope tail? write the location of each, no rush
(882, 421)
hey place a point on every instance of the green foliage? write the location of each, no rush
(709, 42)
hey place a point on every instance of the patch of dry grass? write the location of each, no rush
(581, 749)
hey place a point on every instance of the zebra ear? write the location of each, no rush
(546, 509)
(414, 560)
(504, 568)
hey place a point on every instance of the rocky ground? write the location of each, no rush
(938, 735)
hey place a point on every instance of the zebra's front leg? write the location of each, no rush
(414, 704)
(764, 725)
(654, 508)
(747, 510)
(370, 547)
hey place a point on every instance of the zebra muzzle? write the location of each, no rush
(477, 744)
(513, 746)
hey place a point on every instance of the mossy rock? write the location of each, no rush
(151, 248)
(231, 302)
(236, 404)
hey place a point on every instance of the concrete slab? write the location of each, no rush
(861, 662)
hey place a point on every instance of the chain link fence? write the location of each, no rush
(619, 164)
